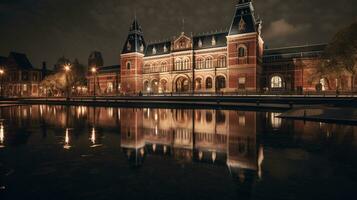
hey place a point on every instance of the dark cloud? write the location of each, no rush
(48, 29)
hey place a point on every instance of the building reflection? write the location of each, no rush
(67, 139)
(2, 135)
(205, 136)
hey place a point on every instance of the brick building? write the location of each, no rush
(230, 61)
(20, 77)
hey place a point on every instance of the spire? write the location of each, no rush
(135, 41)
(243, 20)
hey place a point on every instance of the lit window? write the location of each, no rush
(165, 48)
(276, 82)
(213, 41)
(222, 61)
(154, 50)
(209, 62)
(200, 63)
(275, 120)
(209, 83)
(200, 43)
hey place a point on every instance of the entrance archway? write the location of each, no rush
(220, 82)
(182, 84)
(155, 86)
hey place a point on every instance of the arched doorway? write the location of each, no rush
(163, 86)
(155, 86)
(198, 84)
(220, 82)
(182, 84)
(146, 86)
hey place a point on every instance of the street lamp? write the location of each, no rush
(67, 68)
(2, 72)
(94, 71)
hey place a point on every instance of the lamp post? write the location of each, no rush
(2, 72)
(94, 71)
(67, 68)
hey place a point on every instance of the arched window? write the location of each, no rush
(209, 62)
(200, 63)
(128, 65)
(198, 83)
(276, 82)
(209, 83)
(242, 52)
(222, 61)
(164, 67)
(324, 85)
(186, 64)
(178, 64)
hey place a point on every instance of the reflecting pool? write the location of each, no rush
(58, 152)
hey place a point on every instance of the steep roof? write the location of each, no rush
(135, 41)
(21, 60)
(161, 48)
(206, 41)
(243, 20)
(2, 60)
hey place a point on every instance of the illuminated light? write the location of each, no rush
(275, 120)
(214, 156)
(148, 89)
(142, 152)
(165, 149)
(200, 155)
(94, 70)
(154, 147)
(156, 117)
(92, 137)
(260, 161)
(2, 71)
(156, 130)
(66, 140)
(2, 135)
(67, 67)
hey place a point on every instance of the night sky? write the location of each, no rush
(48, 29)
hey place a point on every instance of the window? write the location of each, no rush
(324, 85)
(128, 65)
(186, 64)
(200, 63)
(241, 83)
(178, 64)
(110, 87)
(276, 82)
(209, 83)
(221, 82)
(241, 52)
(222, 61)
(154, 50)
(199, 43)
(165, 48)
(164, 67)
(209, 62)
(213, 41)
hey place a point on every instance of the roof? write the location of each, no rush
(106, 69)
(3, 60)
(135, 41)
(293, 52)
(243, 20)
(161, 48)
(21, 60)
(207, 40)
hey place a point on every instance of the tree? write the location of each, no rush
(57, 83)
(341, 53)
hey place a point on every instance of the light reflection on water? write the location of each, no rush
(242, 144)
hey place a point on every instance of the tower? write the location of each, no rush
(131, 60)
(244, 49)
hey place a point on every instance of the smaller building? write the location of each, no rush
(20, 77)
(106, 80)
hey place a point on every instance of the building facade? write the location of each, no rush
(20, 77)
(217, 62)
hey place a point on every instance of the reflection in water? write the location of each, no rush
(236, 142)
(66, 140)
(2, 135)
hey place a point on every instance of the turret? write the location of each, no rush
(131, 60)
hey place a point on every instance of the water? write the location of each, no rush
(56, 152)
